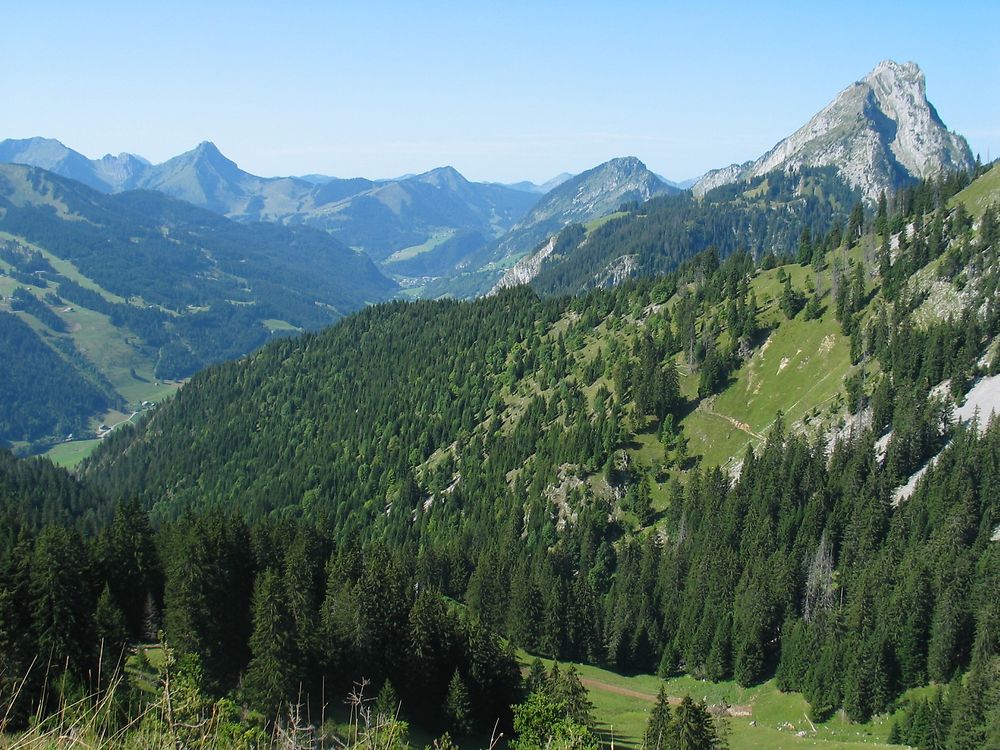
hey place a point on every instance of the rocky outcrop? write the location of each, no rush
(881, 132)
(525, 269)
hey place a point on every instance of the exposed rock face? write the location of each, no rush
(881, 132)
(617, 271)
(525, 269)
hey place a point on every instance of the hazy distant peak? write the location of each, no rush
(209, 152)
(446, 176)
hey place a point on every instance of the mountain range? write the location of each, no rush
(588, 196)
(377, 217)
(444, 235)
(877, 136)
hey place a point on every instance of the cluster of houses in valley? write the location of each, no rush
(104, 429)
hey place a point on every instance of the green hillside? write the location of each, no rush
(136, 291)
(982, 193)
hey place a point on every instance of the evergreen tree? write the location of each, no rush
(62, 603)
(571, 692)
(112, 635)
(791, 301)
(271, 678)
(659, 729)
(537, 679)
(387, 705)
(458, 706)
(693, 728)
(131, 565)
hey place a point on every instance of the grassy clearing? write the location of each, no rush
(981, 193)
(802, 363)
(435, 240)
(68, 455)
(274, 324)
(116, 354)
(66, 268)
(593, 224)
(622, 704)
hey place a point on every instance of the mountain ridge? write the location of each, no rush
(371, 215)
(589, 195)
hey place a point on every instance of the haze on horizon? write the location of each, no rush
(502, 93)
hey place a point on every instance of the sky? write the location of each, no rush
(501, 91)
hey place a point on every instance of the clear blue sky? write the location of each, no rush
(502, 91)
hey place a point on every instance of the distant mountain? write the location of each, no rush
(315, 179)
(134, 287)
(379, 217)
(590, 195)
(683, 184)
(530, 187)
(107, 174)
(881, 132)
(408, 213)
(655, 237)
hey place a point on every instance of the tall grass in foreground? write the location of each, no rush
(177, 716)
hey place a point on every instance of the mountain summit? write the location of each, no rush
(881, 132)
(589, 195)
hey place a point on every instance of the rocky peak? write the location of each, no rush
(881, 132)
(602, 189)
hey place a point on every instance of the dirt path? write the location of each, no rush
(597, 685)
(742, 426)
(590, 684)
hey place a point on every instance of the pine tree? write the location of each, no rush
(574, 695)
(433, 645)
(387, 704)
(881, 215)
(112, 634)
(693, 728)
(791, 301)
(131, 564)
(61, 601)
(659, 730)
(805, 252)
(854, 225)
(537, 679)
(458, 706)
(272, 676)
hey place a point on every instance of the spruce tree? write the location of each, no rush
(271, 678)
(62, 604)
(458, 706)
(387, 704)
(693, 728)
(659, 729)
(111, 631)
